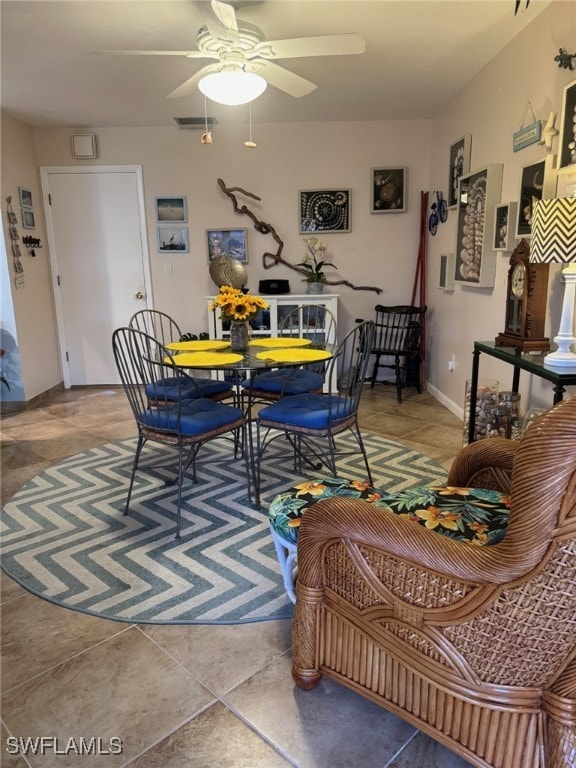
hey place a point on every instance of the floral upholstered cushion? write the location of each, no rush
(477, 516)
(287, 508)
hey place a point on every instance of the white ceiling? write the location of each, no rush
(418, 54)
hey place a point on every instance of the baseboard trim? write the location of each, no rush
(16, 406)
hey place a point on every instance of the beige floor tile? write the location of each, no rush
(118, 431)
(10, 589)
(221, 657)
(10, 752)
(125, 687)
(36, 635)
(328, 727)
(214, 739)
(389, 425)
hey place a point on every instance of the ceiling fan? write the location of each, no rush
(237, 46)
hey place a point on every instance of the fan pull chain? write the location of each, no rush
(206, 137)
(250, 144)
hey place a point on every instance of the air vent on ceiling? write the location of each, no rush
(195, 123)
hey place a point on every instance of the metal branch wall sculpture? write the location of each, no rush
(272, 259)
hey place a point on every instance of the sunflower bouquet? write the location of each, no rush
(235, 305)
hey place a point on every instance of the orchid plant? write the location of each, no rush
(314, 264)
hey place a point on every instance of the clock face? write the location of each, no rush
(518, 280)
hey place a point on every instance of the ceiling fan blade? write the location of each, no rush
(324, 45)
(225, 14)
(190, 85)
(189, 54)
(283, 79)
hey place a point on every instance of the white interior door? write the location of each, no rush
(97, 237)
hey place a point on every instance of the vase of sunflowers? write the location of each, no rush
(238, 309)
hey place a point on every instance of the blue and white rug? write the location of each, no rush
(64, 536)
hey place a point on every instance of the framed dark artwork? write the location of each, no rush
(25, 197)
(171, 210)
(324, 210)
(504, 227)
(460, 153)
(567, 145)
(172, 239)
(388, 190)
(531, 187)
(227, 242)
(478, 195)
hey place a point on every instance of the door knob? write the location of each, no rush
(139, 295)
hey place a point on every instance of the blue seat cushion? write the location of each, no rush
(477, 516)
(286, 382)
(167, 389)
(309, 411)
(197, 417)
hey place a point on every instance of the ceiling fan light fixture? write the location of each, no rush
(232, 87)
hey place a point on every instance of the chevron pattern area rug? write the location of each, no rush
(65, 537)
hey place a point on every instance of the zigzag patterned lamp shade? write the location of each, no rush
(553, 240)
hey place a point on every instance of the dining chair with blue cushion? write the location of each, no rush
(312, 421)
(317, 325)
(185, 423)
(164, 329)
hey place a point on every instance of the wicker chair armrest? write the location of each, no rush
(485, 464)
(358, 523)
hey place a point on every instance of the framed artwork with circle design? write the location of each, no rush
(324, 210)
(531, 189)
(388, 190)
(567, 139)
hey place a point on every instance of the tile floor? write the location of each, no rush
(186, 696)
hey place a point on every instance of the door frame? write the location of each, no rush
(47, 170)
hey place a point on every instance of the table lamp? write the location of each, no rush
(553, 240)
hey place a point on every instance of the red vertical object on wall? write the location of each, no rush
(420, 276)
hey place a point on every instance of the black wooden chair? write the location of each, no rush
(396, 346)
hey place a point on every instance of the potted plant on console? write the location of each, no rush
(314, 264)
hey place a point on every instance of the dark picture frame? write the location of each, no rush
(172, 239)
(227, 242)
(504, 227)
(171, 209)
(388, 190)
(567, 144)
(531, 189)
(460, 154)
(324, 210)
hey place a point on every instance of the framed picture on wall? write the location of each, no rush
(28, 221)
(171, 210)
(567, 145)
(324, 210)
(460, 153)
(172, 239)
(504, 227)
(25, 197)
(531, 188)
(566, 181)
(388, 190)
(227, 242)
(478, 195)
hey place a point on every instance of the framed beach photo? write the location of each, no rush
(567, 145)
(460, 153)
(171, 210)
(25, 197)
(324, 210)
(28, 221)
(387, 190)
(531, 189)
(227, 242)
(172, 239)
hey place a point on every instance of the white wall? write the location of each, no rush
(491, 108)
(380, 250)
(33, 307)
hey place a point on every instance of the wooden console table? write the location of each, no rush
(522, 362)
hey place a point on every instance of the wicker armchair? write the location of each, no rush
(474, 645)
